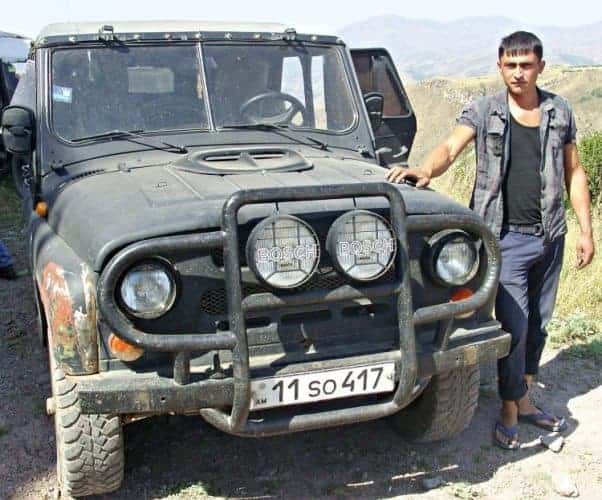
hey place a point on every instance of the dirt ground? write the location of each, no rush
(182, 457)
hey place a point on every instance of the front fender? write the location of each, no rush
(67, 288)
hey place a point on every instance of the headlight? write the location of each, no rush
(453, 257)
(148, 290)
(283, 251)
(362, 245)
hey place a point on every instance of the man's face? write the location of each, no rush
(520, 72)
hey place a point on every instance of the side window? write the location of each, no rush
(292, 82)
(375, 75)
(319, 94)
(292, 78)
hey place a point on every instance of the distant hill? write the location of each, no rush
(438, 102)
(425, 49)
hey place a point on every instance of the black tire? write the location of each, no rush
(89, 448)
(443, 410)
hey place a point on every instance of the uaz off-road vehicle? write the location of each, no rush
(211, 234)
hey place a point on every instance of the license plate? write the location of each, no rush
(322, 385)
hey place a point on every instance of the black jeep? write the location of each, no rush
(211, 234)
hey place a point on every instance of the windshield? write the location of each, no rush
(150, 88)
(300, 85)
(147, 88)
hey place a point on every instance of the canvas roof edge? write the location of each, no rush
(92, 28)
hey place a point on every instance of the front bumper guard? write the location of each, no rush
(237, 390)
(119, 393)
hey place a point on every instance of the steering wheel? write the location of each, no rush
(286, 117)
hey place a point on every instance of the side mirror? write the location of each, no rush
(18, 127)
(375, 102)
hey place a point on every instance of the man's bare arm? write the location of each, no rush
(576, 186)
(438, 161)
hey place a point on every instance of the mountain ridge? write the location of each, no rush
(466, 47)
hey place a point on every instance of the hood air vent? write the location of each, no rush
(243, 161)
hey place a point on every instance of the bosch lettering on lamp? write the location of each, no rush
(283, 251)
(362, 245)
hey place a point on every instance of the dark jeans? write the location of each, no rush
(524, 305)
(5, 258)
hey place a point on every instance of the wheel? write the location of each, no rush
(89, 448)
(21, 176)
(443, 410)
(286, 117)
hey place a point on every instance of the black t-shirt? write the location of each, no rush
(522, 184)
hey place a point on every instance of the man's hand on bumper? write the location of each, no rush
(399, 175)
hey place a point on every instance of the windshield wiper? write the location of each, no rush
(278, 128)
(129, 134)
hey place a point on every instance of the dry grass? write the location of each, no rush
(580, 291)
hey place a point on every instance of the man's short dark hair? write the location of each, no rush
(519, 43)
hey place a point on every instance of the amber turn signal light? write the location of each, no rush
(41, 209)
(462, 294)
(124, 350)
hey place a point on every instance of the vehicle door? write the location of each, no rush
(376, 73)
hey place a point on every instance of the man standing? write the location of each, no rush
(525, 140)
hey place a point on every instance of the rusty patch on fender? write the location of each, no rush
(85, 321)
(72, 329)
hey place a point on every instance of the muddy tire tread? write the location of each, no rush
(91, 449)
(445, 408)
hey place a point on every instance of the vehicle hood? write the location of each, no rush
(99, 214)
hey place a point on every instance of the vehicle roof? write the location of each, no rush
(13, 48)
(92, 28)
(6, 34)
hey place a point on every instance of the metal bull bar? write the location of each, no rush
(236, 422)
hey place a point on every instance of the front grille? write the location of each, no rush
(213, 301)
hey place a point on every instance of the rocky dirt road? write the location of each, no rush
(182, 457)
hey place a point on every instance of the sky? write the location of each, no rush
(27, 17)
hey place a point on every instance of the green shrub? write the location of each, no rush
(581, 334)
(590, 154)
(575, 327)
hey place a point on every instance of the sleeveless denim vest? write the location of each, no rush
(489, 117)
